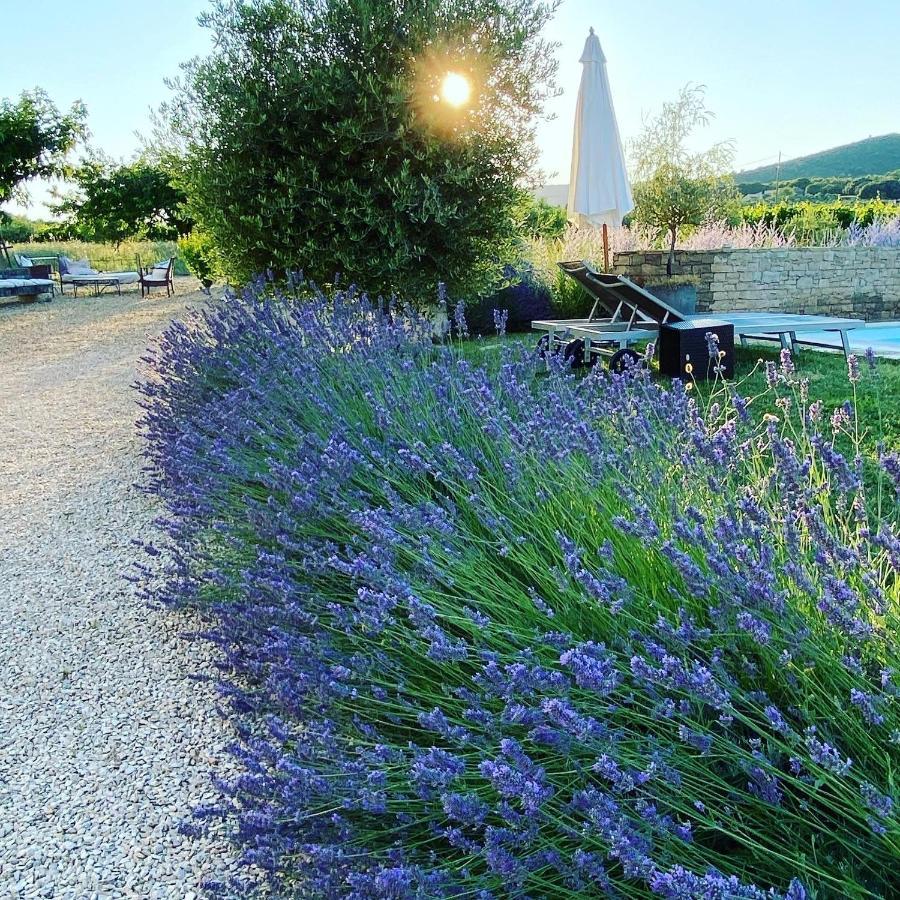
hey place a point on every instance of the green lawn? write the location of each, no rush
(877, 394)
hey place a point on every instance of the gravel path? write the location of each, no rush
(105, 740)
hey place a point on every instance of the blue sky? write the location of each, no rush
(794, 76)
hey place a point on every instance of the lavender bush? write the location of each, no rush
(489, 629)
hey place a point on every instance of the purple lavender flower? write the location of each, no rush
(459, 319)
(871, 359)
(868, 705)
(594, 669)
(516, 777)
(765, 786)
(759, 630)
(890, 462)
(773, 714)
(787, 363)
(881, 804)
(468, 809)
(825, 755)
(405, 725)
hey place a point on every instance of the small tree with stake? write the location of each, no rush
(675, 188)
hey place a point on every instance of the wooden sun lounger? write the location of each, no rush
(633, 313)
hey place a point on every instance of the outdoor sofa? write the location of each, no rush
(80, 274)
(20, 283)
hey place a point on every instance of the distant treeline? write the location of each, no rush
(22, 230)
(866, 187)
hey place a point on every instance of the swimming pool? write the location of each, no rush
(882, 337)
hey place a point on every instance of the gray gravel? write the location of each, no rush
(105, 740)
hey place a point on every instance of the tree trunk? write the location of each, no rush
(674, 237)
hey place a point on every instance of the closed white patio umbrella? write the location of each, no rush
(599, 192)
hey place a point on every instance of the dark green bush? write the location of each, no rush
(317, 138)
(888, 189)
(521, 295)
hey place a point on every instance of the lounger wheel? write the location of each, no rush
(624, 360)
(574, 354)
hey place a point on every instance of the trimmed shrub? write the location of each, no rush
(523, 298)
(490, 629)
(199, 255)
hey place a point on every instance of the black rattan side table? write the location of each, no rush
(685, 342)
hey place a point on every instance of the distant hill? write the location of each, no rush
(873, 156)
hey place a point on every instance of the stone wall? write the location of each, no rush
(862, 282)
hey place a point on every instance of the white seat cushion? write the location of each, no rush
(120, 277)
(26, 282)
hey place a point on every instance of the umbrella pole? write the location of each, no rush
(605, 249)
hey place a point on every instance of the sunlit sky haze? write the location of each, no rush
(788, 76)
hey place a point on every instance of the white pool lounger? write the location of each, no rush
(634, 314)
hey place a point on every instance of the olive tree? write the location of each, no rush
(321, 136)
(676, 187)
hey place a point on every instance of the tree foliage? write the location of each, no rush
(873, 156)
(198, 252)
(676, 187)
(19, 229)
(35, 140)
(115, 202)
(868, 187)
(315, 137)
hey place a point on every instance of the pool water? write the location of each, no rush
(882, 337)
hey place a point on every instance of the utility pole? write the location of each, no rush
(777, 176)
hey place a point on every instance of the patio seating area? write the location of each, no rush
(41, 277)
